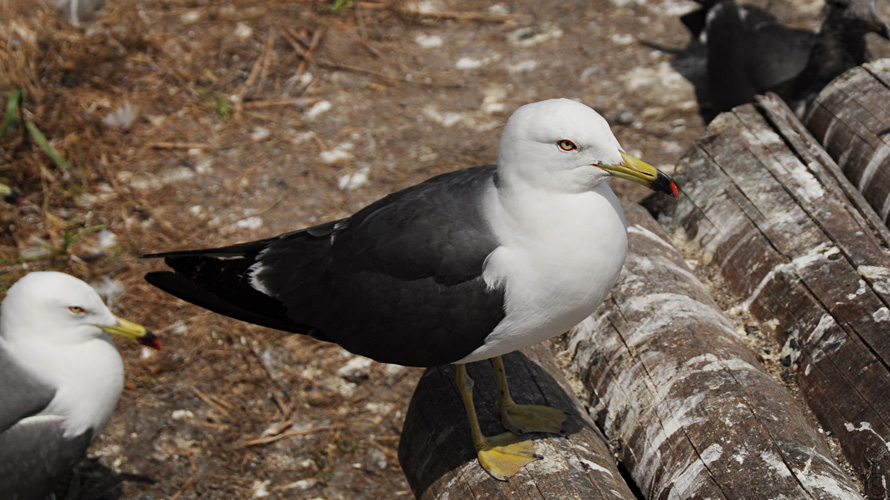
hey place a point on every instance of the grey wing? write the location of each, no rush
(21, 393)
(34, 455)
(401, 280)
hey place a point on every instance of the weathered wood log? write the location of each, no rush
(805, 262)
(851, 119)
(437, 455)
(692, 408)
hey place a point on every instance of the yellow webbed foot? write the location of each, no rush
(502, 456)
(523, 419)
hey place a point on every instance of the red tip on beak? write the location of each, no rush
(664, 184)
(150, 340)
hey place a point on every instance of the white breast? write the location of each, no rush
(88, 378)
(557, 260)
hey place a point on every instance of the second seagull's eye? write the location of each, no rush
(566, 145)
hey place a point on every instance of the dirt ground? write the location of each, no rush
(193, 123)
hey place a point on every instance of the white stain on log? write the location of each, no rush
(863, 287)
(866, 427)
(642, 231)
(822, 345)
(798, 265)
(687, 483)
(877, 159)
(885, 207)
(823, 485)
(643, 264)
(664, 310)
(775, 462)
(809, 187)
(879, 277)
(881, 315)
(594, 466)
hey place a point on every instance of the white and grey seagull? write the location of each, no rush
(60, 378)
(467, 266)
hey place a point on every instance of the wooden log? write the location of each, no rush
(693, 410)
(437, 455)
(851, 119)
(803, 260)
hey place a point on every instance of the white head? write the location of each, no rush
(56, 326)
(61, 309)
(562, 145)
(54, 306)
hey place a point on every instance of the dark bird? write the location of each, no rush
(467, 266)
(750, 52)
(60, 378)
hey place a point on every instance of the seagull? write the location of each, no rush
(463, 267)
(60, 378)
(750, 52)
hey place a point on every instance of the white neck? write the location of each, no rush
(91, 373)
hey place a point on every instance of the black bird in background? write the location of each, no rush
(750, 52)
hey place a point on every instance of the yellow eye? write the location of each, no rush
(566, 145)
(76, 309)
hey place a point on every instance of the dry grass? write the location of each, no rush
(253, 405)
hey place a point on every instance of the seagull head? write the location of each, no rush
(62, 309)
(566, 146)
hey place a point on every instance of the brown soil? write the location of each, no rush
(254, 118)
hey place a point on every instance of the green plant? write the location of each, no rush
(339, 5)
(220, 104)
(13, 108)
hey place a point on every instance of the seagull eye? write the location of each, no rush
(76, 310)
(566, 145)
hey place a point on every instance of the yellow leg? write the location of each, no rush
(523, 419)
(503, 455)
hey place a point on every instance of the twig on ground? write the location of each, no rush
(308, 54)
(255, 73)
(218, 406)
(280, 101)
(343, 67)
(280, 398)
(268, 52)
(359, 21)
(463, 16)
(188, 455)
(304, 432)
(188, 482)
(179, 145)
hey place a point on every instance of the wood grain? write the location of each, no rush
(798, 255)
(851, 119)
(691, 406)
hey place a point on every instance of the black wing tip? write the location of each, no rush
(175, 253)
(172, 283)
(155, 277)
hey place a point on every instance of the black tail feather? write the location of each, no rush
(219, 280)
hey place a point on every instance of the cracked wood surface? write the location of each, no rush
(803, 260)
(693, 410)
(851, 119)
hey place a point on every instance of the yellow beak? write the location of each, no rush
(634, 169)
(132, 331)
